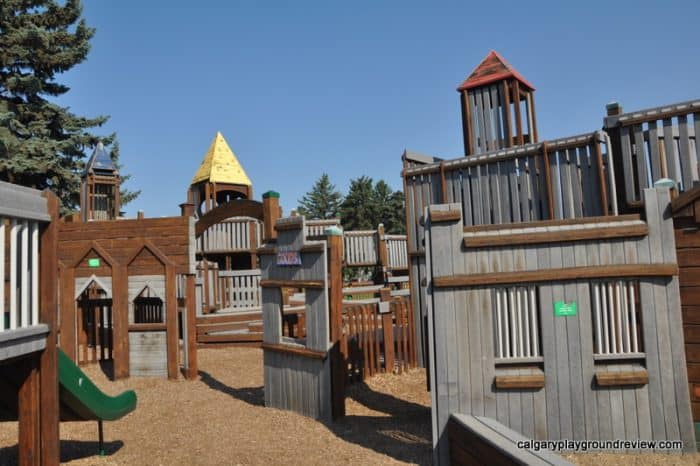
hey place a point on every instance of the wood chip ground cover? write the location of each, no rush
(220, 419)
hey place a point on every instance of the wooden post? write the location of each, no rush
(190, 298)
(48, 364)
(253, 238)
(506, 112)
(467, 124)
(335, 301)
(171, 328)
(120, 320)
(382, 252)
(271, 212)
(68, 314)
(613, 109)
(518, 116)
(28, 411)
(388, 330)
(548, 180)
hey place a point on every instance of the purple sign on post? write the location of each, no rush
(288, 258)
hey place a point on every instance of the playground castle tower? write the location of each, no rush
(99, 193)
(219, 179)
(498, 107)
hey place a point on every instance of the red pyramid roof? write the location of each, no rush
(492, 68)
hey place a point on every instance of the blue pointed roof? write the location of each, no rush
(100, 161)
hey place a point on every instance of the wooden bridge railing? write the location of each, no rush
(656, 143)
(235, 234)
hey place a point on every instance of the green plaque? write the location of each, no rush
(93, 262)
(564, 309)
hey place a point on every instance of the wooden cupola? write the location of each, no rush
(498, 107)
(99, 192)
(220, 178)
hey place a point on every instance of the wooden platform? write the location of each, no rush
(229, 327)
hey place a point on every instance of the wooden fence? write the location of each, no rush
(559, 329)
(375, 341)
(552, 180)
(656, 143)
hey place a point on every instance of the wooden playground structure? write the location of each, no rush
(550, 288)
(321, 342)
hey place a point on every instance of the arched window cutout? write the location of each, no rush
(148, 307)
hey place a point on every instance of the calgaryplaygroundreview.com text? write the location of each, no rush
(593, 445)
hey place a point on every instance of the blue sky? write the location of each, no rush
(307, 87)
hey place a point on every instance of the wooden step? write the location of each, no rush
(228, 318)
(231, 338)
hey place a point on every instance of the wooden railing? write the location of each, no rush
(657, 143)
(237, 234)
(396, 252)
(375, 341)
(557, 179)
(365, 248)
(361, 248)
(22, 212)
(239, 289)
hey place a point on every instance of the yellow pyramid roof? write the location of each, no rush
(220, 165)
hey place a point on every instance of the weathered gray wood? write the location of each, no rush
(642, 172)
(654, 155)
(670, 150)
(696, 123)
(147, 354)
(630, 193)
(688, 170)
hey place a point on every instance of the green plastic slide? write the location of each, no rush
(81, 400)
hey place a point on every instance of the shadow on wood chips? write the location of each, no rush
(70, 450)
(403, 433)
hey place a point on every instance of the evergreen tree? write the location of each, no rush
(42, 144)
(322, 202)
(358, 211)
(389, 207)
(368, 204)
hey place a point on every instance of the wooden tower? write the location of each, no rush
(220, 178)
(99, 193)
(498, 107)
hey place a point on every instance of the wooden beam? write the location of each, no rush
(298, 351)
(506, 111)
(68, 313)
(560, 236)
(157, 327)
(48, 363)
(610, 379)
(556, 275)
(171, 337)
(292, 284)
(533, 114)
(29, 415)
(601, 178)
(552, 223)
(191, 319)
(548, 180)
(519, 381)
(120, 321)
(467, 124)
(439, 216)
(518, 116)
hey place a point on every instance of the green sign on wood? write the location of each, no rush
(93, 262)
(564, 309)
